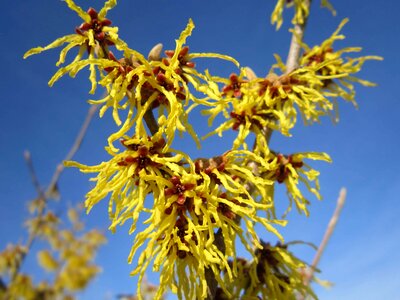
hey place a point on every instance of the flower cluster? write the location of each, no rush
(195, 210)
(254, 105)
(275, 273)
(271, 103)
(330, 63)
(134, 83)
(69, 260)
(190, 202)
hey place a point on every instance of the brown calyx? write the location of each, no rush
(96, 25)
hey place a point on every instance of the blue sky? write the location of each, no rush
(362, 259)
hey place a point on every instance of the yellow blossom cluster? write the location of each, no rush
(292, 170)
(68, 258)
(134, 83)
(252, 105)
(275, 273)
(194, 211)
(272, 102)
(189, 201)
(331, 62)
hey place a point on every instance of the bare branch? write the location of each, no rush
(44, 195)
(295, 44)
(75, 146)
(35, 180)
(328, 233)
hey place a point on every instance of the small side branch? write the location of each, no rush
(75, 147)
(35, 180)
(328, 233)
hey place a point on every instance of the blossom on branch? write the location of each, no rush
(130, 176)
(330, 62)
(275, 273)
(93, 36)
(194, 211)
(291, 170)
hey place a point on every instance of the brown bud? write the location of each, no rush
(155, 52)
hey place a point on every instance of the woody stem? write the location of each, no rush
(292, 61)
(151, 121)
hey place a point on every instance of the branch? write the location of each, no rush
(151, 121)
(328, 233)
(75, 147)
(52, 187)
(35, 181)
(292, 61)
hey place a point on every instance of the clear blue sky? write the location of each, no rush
(363, 257)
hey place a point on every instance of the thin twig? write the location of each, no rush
(35, 180)
(52, 185)
(76, 145)
(40, 212)
(328, 233)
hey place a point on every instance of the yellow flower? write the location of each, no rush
(301, 8)
(130, 176)
(191, 201)
(330, 63)
(291, 170)
(93, 36)
(180, 236)
(303, 90)
(158, 83)
(223, 98)
(47, 261)
(275, 273)
(242, 105)
(179, 244)
(173, 75)
(271, 102)
(10, 259)
(233, 170)
(129, 83)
